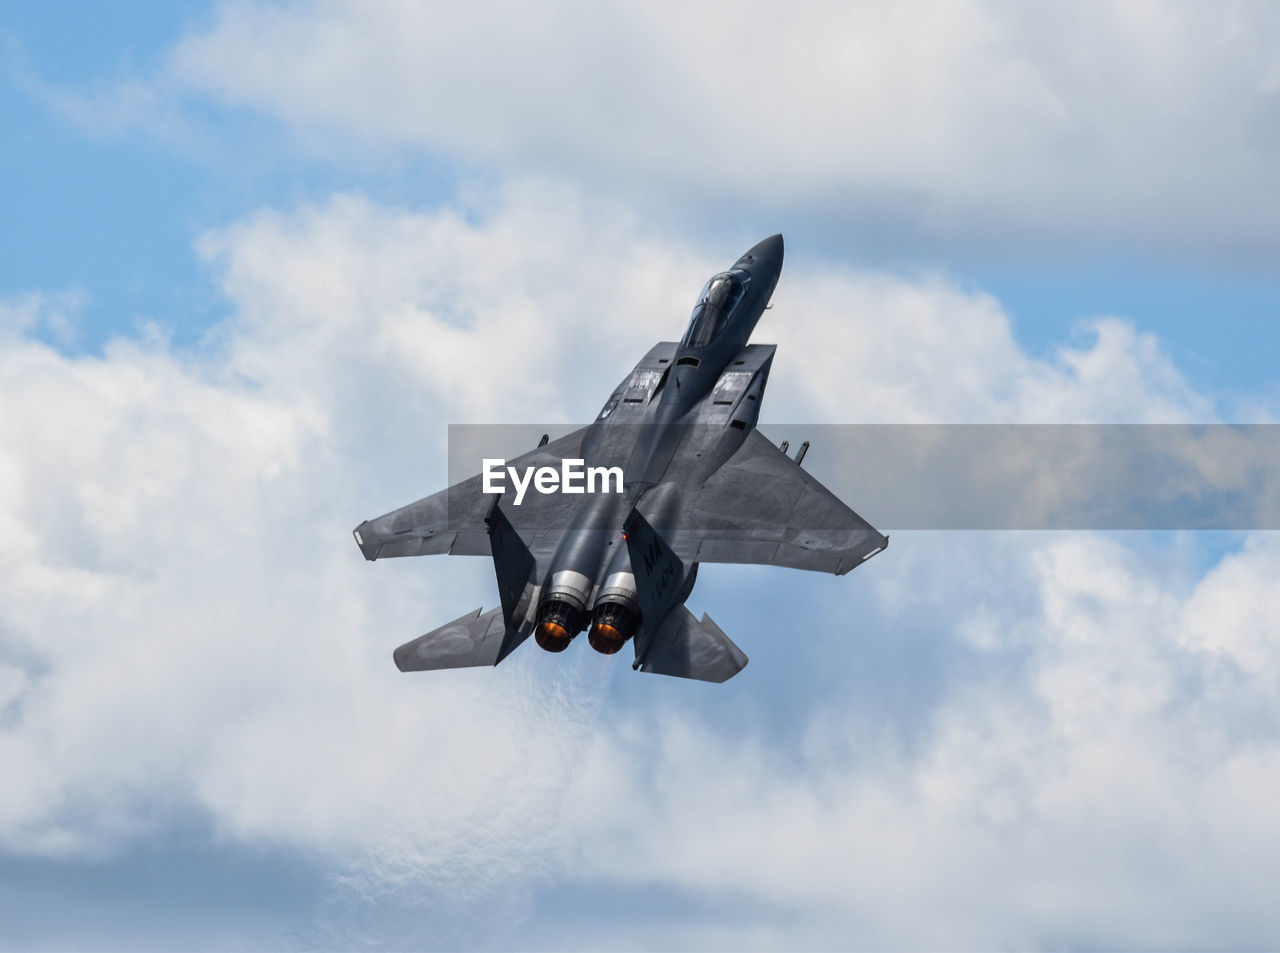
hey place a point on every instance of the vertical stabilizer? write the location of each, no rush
(659, 576)
(671, 640)
(513, 564)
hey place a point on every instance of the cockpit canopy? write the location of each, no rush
(715, 304)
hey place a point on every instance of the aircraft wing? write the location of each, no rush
(762, 507)
(453, 520)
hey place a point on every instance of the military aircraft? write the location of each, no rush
(696, 483)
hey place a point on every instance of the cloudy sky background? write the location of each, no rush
(257, 257)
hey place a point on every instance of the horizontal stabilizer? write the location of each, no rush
(472, 639)
(687, 647)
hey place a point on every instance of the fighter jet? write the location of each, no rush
(693, 482)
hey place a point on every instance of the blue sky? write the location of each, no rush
(115, 215)
(253, 257)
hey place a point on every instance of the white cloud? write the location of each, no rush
(1083, 790)
(1095, 121)
(184, 622)
(44, 315)
(1232, 616)
(875, 348)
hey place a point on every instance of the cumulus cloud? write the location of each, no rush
(1095, 780)
(1093, 121)
(184, 623)
(927, 351)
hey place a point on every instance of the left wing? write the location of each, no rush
(453, 520)
(762, 507)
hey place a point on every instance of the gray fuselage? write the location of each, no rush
(666, 428)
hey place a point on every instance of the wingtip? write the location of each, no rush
(367, 549)
(399, 659)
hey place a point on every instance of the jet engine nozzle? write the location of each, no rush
(562, 614)
(617, 614)
(612, 626)
(558, 623)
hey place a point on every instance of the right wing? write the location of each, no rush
(762, 507)
(453, 520)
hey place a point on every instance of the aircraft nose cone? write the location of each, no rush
(764, 255)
